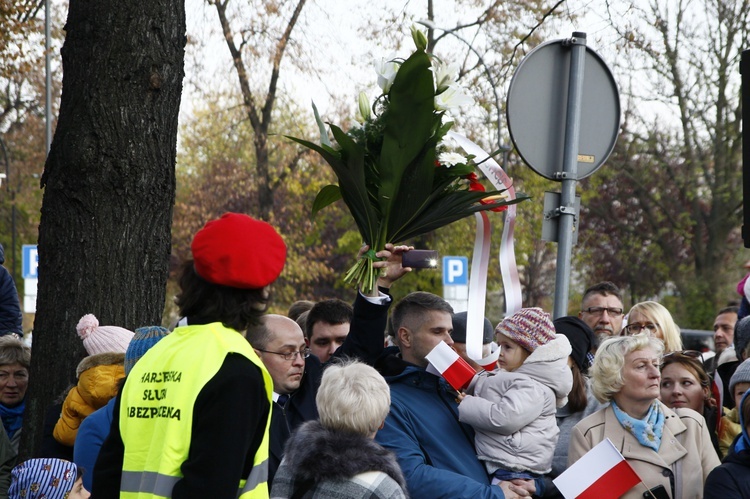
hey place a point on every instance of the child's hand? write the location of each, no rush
(460, 397)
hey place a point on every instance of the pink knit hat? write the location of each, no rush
(529, 327)
(101, 339)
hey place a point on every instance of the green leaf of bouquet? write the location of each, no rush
(446, 209)
(329, 154)
(410, 123)
(351, 176)
(326, 196)
(321, 126)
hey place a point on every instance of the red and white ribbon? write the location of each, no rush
(480, 259)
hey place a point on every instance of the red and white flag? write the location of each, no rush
(447, 363)
(602, 473)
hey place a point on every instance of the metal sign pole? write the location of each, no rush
(567, 212)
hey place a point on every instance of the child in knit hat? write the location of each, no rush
(95, 428)
(98, 375)
(513, 410)
(47, 478)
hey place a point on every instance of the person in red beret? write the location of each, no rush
(192, 417)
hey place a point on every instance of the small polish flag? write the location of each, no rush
(602, 473)
(456, 371)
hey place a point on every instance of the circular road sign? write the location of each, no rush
(537, 110)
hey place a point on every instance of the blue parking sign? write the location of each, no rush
(455, 271)
(30, 262)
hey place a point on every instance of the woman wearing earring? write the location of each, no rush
(652, 318)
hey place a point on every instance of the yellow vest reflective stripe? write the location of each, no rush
(156, 410)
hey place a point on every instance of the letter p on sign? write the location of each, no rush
(455, 271)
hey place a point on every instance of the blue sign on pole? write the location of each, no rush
(455, 271)
(30, 262)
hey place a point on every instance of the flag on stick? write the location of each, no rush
(456, 371)
(602, 473)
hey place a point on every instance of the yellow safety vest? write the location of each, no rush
(156, 411)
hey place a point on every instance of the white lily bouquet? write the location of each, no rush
(396, 176)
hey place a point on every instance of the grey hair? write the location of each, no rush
(606, 373)
(353, 397)
(14, 351)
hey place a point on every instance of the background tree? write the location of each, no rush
(261, 41)
(679, 171)
(104, 238)
(22, 126)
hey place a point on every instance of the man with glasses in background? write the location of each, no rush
(296, 374)
(602, 310)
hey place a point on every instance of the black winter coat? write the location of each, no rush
(731, 480)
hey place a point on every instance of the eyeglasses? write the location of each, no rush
(637, 328)
(289, 355)
(612, 311)
(695, 354)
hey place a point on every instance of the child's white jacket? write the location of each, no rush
(513, 413)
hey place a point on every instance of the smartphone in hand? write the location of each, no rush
(420, 259)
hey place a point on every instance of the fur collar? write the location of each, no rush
(314, 452)
(557, 349)
(100, 359)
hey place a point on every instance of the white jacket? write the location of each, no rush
(513, 413)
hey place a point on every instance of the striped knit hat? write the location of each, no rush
(529, 327)
(143, 340)
(102, 339)
(47, 478)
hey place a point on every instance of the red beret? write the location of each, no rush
(238, 251)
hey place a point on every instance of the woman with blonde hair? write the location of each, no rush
(654, 319)
(669, 449)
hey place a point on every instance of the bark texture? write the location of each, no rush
(109, 180)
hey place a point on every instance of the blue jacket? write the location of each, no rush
(10, 309)
(435, 451)
(91, 435)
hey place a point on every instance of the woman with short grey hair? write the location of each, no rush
(337, 456)
(670, 450)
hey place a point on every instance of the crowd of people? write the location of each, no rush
(339, 400)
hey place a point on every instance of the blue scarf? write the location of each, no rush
(647, 430)
(12, 417)
(743, 442)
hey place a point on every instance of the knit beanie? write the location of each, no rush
(529, 327)
(580, 336)
(459, 329)
(741, 336)
(143, 339)
(47, 478)
(101, 339)
(741, 375)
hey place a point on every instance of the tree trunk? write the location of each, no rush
(104, 236)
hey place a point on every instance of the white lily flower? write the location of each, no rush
(451, 158)
(445, 75)
(453, 97)
(386, 69)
